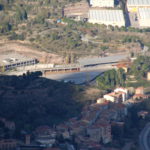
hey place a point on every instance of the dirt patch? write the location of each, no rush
(28, 51)
(91, 94)
(92, 91)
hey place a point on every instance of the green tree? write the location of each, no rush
(121, 77)
(140, 67)
(111, 78)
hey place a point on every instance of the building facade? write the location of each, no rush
(110, 97)
(16, 64)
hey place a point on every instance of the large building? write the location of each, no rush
(102, 3)
(144, 17)
(77, 11)
(14, 60)
(133, 5)
(107, 17)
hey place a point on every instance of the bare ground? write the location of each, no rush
(89, 94)
(27, 50)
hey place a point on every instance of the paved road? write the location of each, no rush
(102, 60)
(144, 138)
(96, 66)
(76, 77)
(86, 75)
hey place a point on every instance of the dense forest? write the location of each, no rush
(31, 100)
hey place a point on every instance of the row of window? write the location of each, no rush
(21, 64)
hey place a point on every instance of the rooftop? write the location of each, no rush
(106, 15)
(99, 125)
(114, 94)
(138, 2)
(140, 88)
(122, 65)
(144, 13)
(43, 130)
(102, 60)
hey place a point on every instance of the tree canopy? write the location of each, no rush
(111, 78)
(140, 67)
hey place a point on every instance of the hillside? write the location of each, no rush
(31, 101)
(35, 22)
(31, 51)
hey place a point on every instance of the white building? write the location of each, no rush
(123, 91)
(119, 95)
(107, 17)
(144, 17)
(102, 3)
(100, 100)
(133, 5)
(111, 97)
